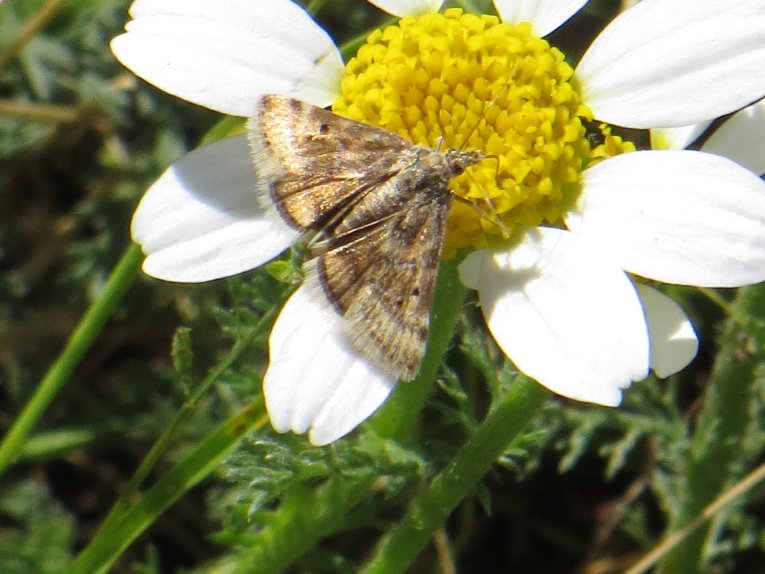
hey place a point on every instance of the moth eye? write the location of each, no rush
(324, 129)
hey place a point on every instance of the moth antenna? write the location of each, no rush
(491, 215)
(442, 137)
(469, 135)
(484, 193)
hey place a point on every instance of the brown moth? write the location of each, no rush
(377, 207)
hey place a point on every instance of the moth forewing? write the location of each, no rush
(309, 162)
(382, 282)
(379, 206)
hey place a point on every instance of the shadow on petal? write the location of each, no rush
(316, 381)
(201, 220)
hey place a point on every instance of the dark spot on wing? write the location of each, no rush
(296, 106)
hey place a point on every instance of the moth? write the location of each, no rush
(375, 206)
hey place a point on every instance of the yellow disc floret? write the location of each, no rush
(461, 81)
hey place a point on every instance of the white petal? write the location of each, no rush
(684, 217)
(315, 380)
(224, 55)
(673, 340)
(664, 64)
(545, 15)
(201, 220)
(470, 269)
(402, 8)
(742, 138)
(565, 317)
(677, 138)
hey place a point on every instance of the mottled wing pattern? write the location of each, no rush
(379, 205)
(381, 279)
(311, 163)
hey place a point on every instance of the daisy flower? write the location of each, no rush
(561, 298)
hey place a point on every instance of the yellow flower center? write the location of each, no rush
(463, 81)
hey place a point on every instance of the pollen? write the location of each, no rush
(454, 80)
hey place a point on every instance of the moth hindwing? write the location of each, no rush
(378, 206)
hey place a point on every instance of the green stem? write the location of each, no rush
(306, 514)
(398, 549)
(79, 342)
(108, 543)
(714, 460)
(50, 444)
(151, 458)
(398, 414)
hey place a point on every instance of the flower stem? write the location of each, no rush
(108, 543)
(79, 342)
(164, 440)
(715, 457)
(305, 515)
(398, 549)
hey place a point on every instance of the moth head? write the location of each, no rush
(459, 160)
